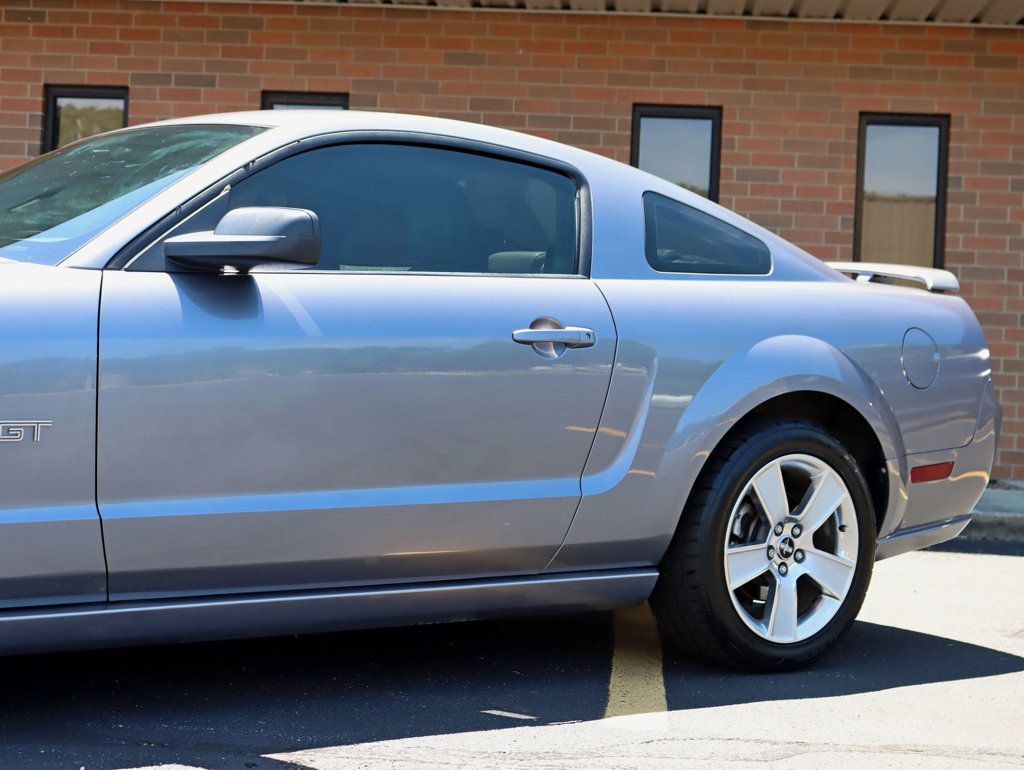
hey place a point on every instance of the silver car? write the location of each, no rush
(273, 372)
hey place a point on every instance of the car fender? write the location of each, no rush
(632, 504)
(773, 367)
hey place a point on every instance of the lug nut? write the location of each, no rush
(798, 556)
(783, 569)
(797, 529)
(771, 552)
(778, 529)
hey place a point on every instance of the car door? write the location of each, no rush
(403, 412)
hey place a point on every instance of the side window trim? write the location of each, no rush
(128, 257)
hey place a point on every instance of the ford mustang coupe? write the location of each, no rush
(264, 373)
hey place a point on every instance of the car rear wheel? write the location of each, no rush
(774, 551)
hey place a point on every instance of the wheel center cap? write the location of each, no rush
(786, 547)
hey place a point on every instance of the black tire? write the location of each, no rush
(691, 600)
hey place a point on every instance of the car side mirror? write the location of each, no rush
(248, 237)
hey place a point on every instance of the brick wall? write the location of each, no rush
(791, 93)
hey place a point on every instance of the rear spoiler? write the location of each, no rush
(931, 278)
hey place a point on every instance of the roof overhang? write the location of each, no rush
(975, 12)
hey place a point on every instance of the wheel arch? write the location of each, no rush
(842, 421)
(797, 377)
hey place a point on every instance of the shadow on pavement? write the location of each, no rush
(870, 658)
(223, 705)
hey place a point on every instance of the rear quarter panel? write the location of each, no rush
(696, 353)
(695, 356)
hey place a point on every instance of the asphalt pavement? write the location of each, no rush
(932, 675)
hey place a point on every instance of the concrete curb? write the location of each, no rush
(987, 525)
(999, 515)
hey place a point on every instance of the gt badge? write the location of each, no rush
(17, 430)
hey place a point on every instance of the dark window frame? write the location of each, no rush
(940, 122)
(682, 112)
(337, 99)
(51, 116)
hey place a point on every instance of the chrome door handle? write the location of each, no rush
(570, 336)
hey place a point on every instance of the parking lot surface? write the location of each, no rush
(932, 675)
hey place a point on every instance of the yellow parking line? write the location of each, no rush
(637, 684)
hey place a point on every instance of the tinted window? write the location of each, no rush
(53, 205)
(682, 239)
(393, 207)
(902, 165)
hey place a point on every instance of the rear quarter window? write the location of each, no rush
(682, 239)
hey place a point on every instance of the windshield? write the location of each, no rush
(56, 203)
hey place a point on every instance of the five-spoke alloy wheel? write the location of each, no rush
(789, 568)
(774, 550)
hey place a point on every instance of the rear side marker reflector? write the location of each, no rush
(934, 472)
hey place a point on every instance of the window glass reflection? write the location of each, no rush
(81, 117)
(900, 187)
(303, 100)
(679, 150)
(282, 106)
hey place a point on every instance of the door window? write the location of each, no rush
(396, 208)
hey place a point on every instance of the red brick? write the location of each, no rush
(790, 91)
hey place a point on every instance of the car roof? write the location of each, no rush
(300, 123)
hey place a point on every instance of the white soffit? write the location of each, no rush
(988, 12)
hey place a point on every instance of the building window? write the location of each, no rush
(75, 112)
(302, 100)
(901, 189)
(680, 144)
